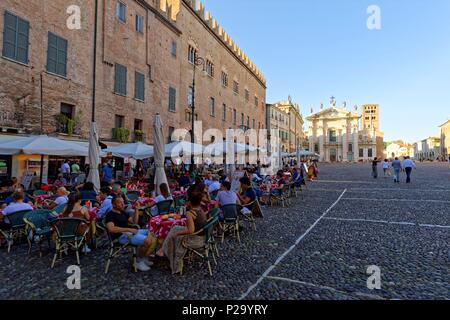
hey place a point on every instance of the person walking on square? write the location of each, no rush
(397, 166)
(386, 168)
(375, 168)
(408, 164)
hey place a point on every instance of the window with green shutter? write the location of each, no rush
(139, 89)
(15, 38)
(120, 80)
(57, 55)
(172, 99)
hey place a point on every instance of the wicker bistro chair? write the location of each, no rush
(38, 228)
(164, 207)
(248, 217)
(67, 236)
(206, 249)
(18, 227)
(231, 221)
(116, 249)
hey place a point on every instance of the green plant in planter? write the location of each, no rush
(67, 123)
(139, 135)
(121, 135)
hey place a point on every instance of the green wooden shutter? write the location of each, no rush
(52, 53)
(120, 79)
(61, 67)
(23, 28)
(172, 99)
(139, 90)
(9, 36)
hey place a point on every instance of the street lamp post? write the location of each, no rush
(198, 61)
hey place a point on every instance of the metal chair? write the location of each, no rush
(206, 249)
(231, 220)
(164, 207)
(116, 249)
(17, 227)
(38, 228)
(68, 236)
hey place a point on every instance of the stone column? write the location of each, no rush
(345, 145)
(355, 145)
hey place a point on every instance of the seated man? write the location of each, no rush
(215, 185)
(62, 198)
(118, 225)
(107, 202)
(247, 196)
(16, 206)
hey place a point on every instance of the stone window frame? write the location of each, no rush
(192, 54)
(119, 2)
(224, 112)
(224, 79)
(137, 19)
(212, 107)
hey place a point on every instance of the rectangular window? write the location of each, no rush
(190, 96)
(121, 11)
(224, 79)
(57, 55)
(235, 87)
(212, 107)
(370, 153)
(67, 112)
(210, 68)
(174, 49)
(139, 24)
(172, 99)
(253, 124)
(169, 137)
(256, 101)
(333, 136)
(316, 148)
(224, 112)
(119, 121)
(15, 38)
(120, 80)
(248, 122)
(247, 95)
(361, 153)
(138, 124)
(242, 119)
(139, 90)
(192, 54)
(234, 116)
(350, 147)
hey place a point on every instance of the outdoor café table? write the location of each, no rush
(161, 228)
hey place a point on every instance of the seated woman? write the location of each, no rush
(118, 225)
(62, 198)
(280, 182)
(165, 195)
(74, 209)
(87, 191)
(172, 247)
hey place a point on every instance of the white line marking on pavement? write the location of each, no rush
(389, 222)
(394, 189)
(266, 273)
(307, 284)
(398, 200)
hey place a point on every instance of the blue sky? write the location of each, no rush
(313, 49)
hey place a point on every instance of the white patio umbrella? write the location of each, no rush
(175, 149)
(94, 157)
(219, 148)
(43, 145)
(158, 136)
(138, 151)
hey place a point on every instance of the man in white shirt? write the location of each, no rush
(408, 164)
(16, 206)
(65, 170)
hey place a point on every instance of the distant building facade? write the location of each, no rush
(396, 150)
(428, 149)
(285, 116)
(337, 135)
(445, 139)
